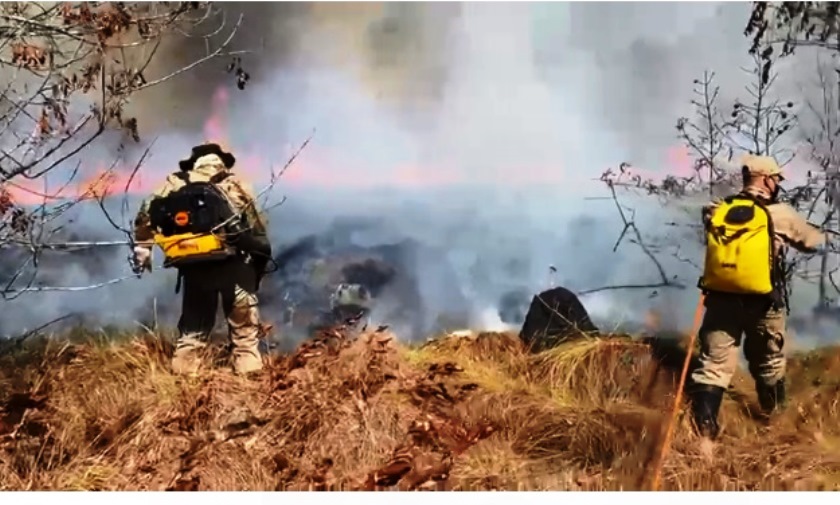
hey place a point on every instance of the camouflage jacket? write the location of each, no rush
(239, 194)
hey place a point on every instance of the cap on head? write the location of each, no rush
(761, 166)
(205, 150)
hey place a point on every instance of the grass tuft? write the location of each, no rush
(103, 412)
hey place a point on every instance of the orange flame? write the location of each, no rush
(215, 128)
(318, 166)
(101, 184)
(104, 182)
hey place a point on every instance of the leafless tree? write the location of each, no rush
(791, 25)
(68, 73)
(785, 27)
(818, 197)
(757, 124)
(707, 134)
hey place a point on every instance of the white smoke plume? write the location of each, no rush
(474, 130)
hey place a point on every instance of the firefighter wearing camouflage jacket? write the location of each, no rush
(234, 280)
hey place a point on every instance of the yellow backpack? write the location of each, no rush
(739, 248)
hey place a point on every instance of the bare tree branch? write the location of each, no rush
(819, 193)
(69, 71)
(757, 126)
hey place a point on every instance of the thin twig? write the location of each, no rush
(20, 339)
(74, 289)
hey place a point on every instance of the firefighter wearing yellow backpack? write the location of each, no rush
(205, 221)
(747, 236)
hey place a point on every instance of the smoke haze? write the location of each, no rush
(473, 130)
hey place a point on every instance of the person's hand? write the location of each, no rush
(142, 259)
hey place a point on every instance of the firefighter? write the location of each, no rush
(235, 278)
(745, 295)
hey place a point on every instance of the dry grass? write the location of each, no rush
(456, 413)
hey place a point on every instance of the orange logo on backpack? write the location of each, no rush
(182, 218)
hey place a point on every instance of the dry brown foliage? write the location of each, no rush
(367, 413)
(70, 74)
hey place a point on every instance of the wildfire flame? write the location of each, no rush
(104, 181)
(215, 128)
(320, 167)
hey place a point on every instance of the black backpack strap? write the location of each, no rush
(758, 203)
(777, 270)
(743, 195)
(219, 177)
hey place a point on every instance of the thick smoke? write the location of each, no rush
(467, 137)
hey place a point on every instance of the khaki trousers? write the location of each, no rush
(234, 282)
(727, 319)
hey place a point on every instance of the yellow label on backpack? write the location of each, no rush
(190, 247)
(739, 249)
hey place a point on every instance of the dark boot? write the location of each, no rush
(771, 398)
(705, 404)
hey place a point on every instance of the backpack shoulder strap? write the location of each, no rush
(220, 176)
(738, 196)
(756, 201)
(215, 179)
(743, 195)
(746, 196)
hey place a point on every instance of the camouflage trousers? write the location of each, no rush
(727, 319)
(235, 283)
